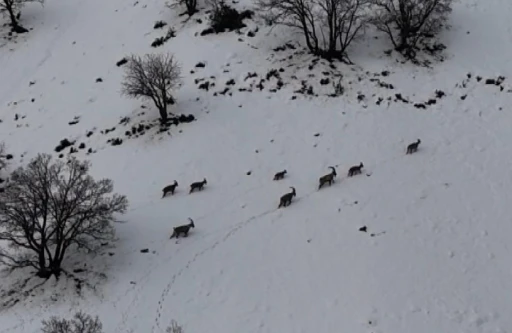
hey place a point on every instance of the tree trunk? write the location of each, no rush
(403, 41)
(14, 22)
(191, 7)
(56, 268)
(53, 269)
(44, 273)
(163, 113)
(42, 260)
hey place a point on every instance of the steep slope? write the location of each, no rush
(434, 258)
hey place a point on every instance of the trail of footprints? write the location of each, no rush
(167, 289)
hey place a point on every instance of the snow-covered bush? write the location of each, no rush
(226, 18)
(174, 328)
(80, 323)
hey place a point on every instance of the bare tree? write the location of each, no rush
(407, 22)
(190, 6)
(49, 207)
(152, 77)
(328, 26)
(80, 323)
(12, 9)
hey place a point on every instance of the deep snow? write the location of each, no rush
(439, 258)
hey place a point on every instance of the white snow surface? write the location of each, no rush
(439, 258)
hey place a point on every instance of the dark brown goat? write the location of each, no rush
(286, 199)
(183, 229)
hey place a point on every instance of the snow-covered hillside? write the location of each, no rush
(435, 257)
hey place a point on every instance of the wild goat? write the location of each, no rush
(197, 186)
(182, 229)
(286, 199)
(413, 147)
(169, 189)
(327, 179)
(355, 170)
(280, 175)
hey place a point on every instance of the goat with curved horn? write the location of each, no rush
(327, 179)
(286, 199)
(183, 229)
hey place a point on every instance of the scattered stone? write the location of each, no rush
(75, 121)
(207, 31)
(186, 118)
(115, 141)
(63, 145)
(159, 24)
(399, 97)
(124, 121)
(205, 85)
(121, 62)
(250, 75)
(108, 130)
